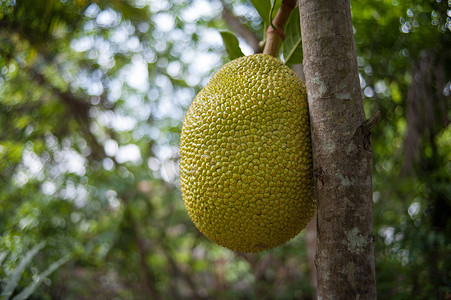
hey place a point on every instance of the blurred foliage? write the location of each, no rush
(92, 95)
(405, 66)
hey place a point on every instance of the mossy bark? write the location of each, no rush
(342, 154)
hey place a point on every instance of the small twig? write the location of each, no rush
(275, 34)
(372, 121)
(367, 126)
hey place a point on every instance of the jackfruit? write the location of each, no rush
(245, 156)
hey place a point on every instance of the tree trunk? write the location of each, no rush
(342, 153)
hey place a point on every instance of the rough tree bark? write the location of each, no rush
(342, 153)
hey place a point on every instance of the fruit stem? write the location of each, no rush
(275, 36)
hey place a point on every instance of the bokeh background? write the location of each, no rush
(92, 97)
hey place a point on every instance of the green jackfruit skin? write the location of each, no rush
(245, 156)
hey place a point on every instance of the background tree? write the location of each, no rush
(405, 74)
(92, 96)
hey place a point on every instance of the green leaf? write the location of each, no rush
(292, 46)
(231, 44)
(271, 13)
(28, 291)
(263, 7)
(2, 257)
(14, 279)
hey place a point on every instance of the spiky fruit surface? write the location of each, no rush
(246, 162)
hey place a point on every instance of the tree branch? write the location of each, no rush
(275, 36)
(148, 282)
(78, 108)
(236, 25)
(177, 271)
